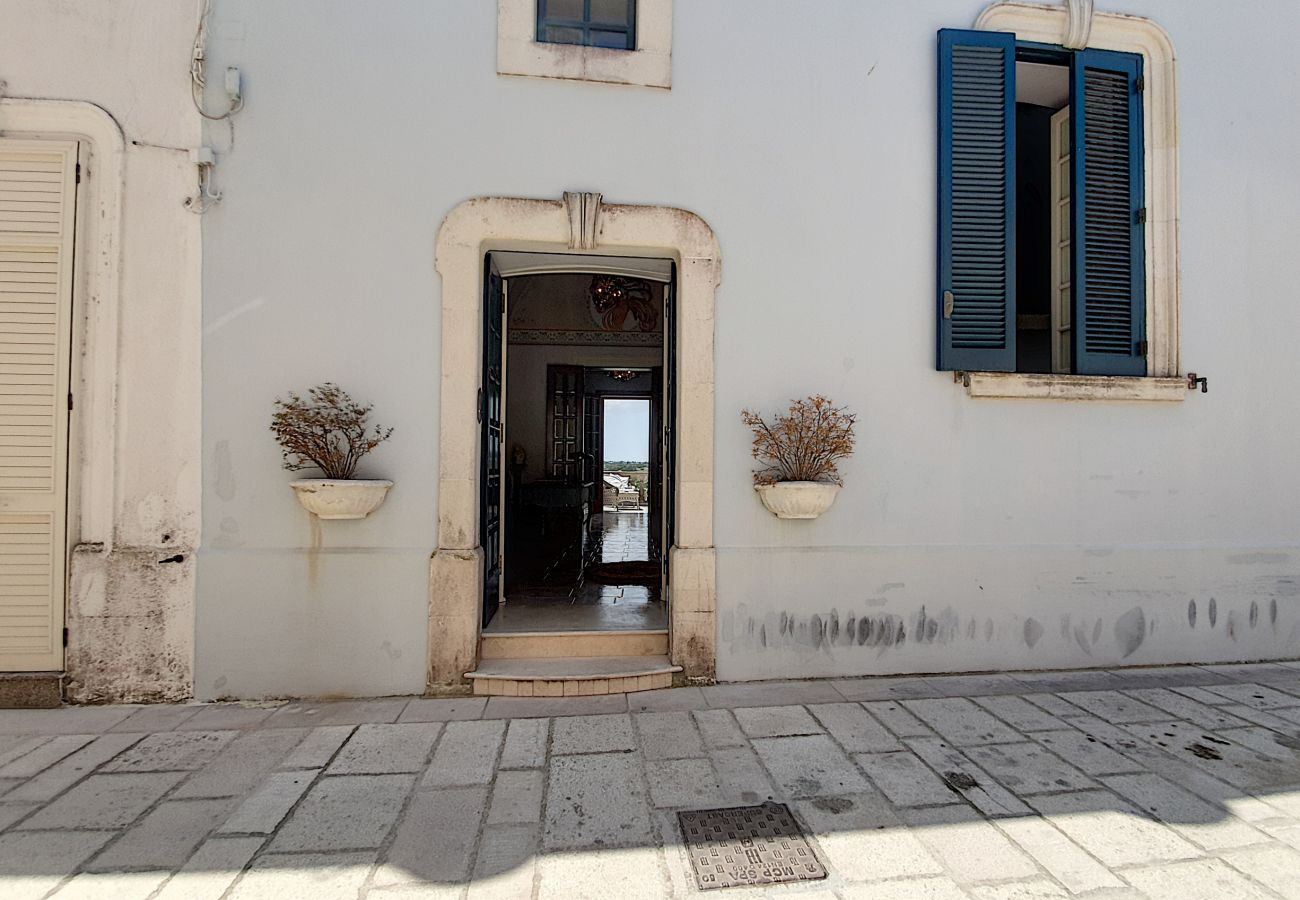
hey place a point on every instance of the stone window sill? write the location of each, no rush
(1016, 385)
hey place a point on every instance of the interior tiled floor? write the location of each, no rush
(587, 606)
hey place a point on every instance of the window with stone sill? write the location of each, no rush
(1057, 206)
(609, 41)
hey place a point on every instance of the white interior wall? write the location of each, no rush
(526, 389)
(364, 127)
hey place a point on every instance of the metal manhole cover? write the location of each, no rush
(747, 845)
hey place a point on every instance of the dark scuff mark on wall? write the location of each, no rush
(1081, 638)
(1252, 559)
(1232, 624)
(1254, 614)
(1131, 630)
(1033, 632)
(1191, 613)
(1214, 612)
(1272, 614)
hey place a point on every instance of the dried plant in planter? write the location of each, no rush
(327, 429)
(804, 444)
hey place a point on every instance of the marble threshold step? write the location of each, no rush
(575, 676)
(553, 644)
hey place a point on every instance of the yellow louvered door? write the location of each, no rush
(37, 210)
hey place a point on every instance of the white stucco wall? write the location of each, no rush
(1032, 534)
(129, 613)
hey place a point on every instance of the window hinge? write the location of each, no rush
(1143, 346)
(1193, 380)
(1142, 216)
(69, 400)
(78, 173)
(1140, 85)
(480, 404)
(65, 637)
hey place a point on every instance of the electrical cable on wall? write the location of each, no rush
(206, 198)
(198, 72)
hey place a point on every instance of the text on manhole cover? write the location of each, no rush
(747, 845)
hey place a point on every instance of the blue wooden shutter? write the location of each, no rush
(1108, 266)
(977, 200)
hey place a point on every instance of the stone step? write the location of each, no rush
(566, 644)
(573, 676)
(31, 690)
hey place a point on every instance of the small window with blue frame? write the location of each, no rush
(591, 23)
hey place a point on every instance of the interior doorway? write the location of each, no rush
(576, 454)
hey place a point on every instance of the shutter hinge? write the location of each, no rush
(1193, 380)
(78, 173)
(1142, 216)
(65, 637)
(1140, 85)
(1143, 346)
(480, 404)
(69, 400)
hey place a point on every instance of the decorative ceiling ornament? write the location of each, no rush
(584, 218)
(615, 297)
(1079, 24)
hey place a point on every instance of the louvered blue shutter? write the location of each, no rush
(1109, 265)
(977, 200)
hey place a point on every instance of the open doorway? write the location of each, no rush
(580, 507)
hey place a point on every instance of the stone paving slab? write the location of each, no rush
(904, 779)
(386, 749)
(853, 728)
(104, 801)
(668, 735)
(263, 810)
(166, 837)
(242, 763)
(345, 812)
(1178, 782)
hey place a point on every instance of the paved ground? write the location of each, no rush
(1162, 783)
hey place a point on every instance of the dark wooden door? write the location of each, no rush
(490, 417)
(668, 414)
(656, 462)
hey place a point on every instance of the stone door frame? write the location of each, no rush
(580, 223)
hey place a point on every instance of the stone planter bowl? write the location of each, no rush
(797, 499)
(333, 498)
